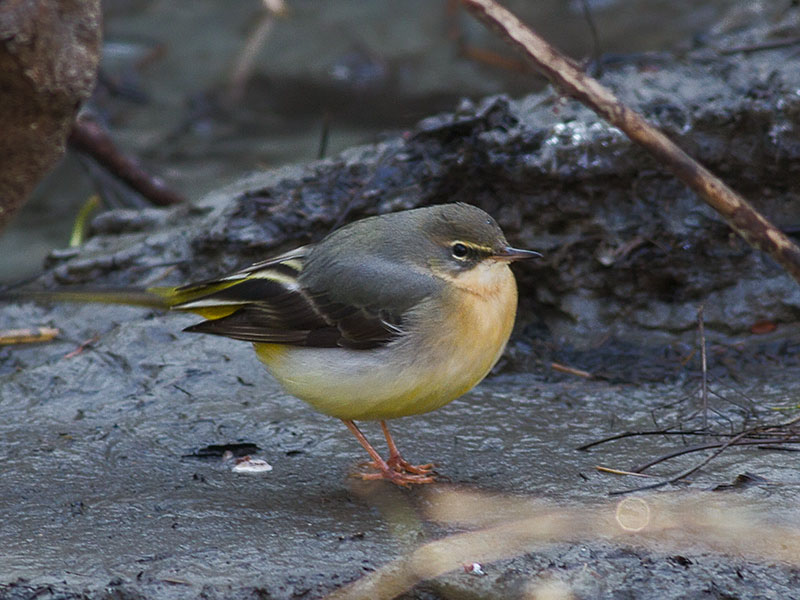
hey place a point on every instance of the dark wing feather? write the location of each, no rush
(359, 327)
(265, 303)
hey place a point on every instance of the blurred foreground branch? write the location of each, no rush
(506, 526)
(569, 78)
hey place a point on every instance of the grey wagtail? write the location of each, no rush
(390, 316)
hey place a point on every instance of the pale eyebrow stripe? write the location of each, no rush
(473, 246)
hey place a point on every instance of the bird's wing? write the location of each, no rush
(266, 303)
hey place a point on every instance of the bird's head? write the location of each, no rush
(460, 238)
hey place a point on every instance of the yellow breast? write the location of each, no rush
(480, 320)
(452, 344)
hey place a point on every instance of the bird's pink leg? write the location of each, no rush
(396, 472)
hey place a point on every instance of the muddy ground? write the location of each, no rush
(104, 496)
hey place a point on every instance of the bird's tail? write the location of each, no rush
(183, 298)
(159, 298)
(211, 299)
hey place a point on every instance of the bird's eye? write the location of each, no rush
(459, 250)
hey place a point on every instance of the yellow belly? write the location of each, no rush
(443, 355)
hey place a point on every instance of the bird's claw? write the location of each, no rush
(397, 477)
(401, 465)
(400, 471)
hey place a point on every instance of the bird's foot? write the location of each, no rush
(401, 465)
(400, 478)
(399, 471)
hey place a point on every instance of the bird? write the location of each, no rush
(389, 316)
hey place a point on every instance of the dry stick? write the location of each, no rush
(89, 137)
(568, 77)
(246, 61)
(254, 44)
(27, 336)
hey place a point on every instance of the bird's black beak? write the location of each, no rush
(510, 254)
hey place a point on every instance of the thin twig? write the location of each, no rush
(324, 135)
(627, 434)
(568, 77)
(682, 474)
(762, 46)
(738, 440)
(596, 49)
(741, 439)
(735, 441)
(768, 436)
(703, 366)
(82, 346)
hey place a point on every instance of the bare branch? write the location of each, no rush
(568, 77)
(90, 138)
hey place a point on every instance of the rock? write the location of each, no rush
(630, 252)
(49, 51)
